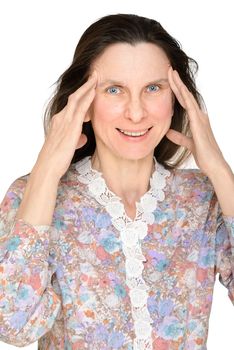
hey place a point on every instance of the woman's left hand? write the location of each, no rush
(202, 144)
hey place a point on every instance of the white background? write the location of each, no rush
(37, 41)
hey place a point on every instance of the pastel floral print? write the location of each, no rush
(96, 279)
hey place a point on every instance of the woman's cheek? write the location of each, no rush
(107, 107)
(163, 107)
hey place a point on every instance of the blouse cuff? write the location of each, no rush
(229, 223)
(29, 239)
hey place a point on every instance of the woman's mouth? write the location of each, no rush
(132, 135)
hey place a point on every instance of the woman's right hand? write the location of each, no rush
(65, 132)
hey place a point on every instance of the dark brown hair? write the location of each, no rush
(131, 29)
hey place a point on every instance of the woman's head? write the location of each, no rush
(139, 40)
(133, 94)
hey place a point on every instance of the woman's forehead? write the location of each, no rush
(121, 61)
(124, 52)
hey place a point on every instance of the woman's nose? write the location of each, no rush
(135, 110)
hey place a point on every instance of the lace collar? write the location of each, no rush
(131, 233)
(99, 190)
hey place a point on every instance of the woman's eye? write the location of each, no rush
(112, 89)
(156, 87)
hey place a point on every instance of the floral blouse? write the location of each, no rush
(97, 279)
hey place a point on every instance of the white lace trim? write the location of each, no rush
(131, 233)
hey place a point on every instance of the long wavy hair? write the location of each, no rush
(131, 29)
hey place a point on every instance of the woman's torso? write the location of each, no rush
(178, 271)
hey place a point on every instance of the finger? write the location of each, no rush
(72, 98)
(83, 106)
(82, 98)
(180, 139)
(82, 141)
(188, 98)
(89, 84)
(175, 88)
(190, 107)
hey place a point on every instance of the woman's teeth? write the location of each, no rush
(129, 133)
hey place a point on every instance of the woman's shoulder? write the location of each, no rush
(17, 186)
(192, 181)
(67, 183)
(191, 175)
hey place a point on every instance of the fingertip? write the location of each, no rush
(170, 71)
(94, 74)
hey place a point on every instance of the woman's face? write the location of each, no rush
(133, 94)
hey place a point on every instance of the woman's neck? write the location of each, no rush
(128, 179)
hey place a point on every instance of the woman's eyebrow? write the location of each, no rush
(115, 82)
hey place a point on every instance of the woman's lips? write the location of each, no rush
(134, 138)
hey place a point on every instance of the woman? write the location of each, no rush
(107, 244)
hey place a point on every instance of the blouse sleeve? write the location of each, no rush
(28, 303)
(225, 252)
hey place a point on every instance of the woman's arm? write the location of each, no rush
(224, 251)
(38, 203)
(223, 183)
(28, 303)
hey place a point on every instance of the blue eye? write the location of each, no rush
(154, 85)
(114, 88)
(111, 89)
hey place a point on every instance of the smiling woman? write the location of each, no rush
(116, 53)
(144, 115)
(107, 243)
